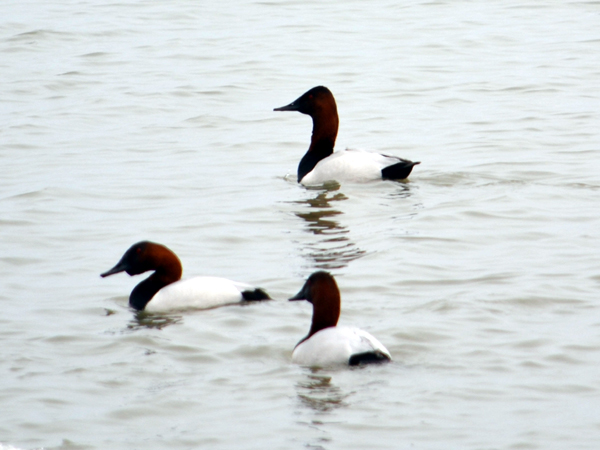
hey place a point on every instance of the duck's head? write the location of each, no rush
(322, 291)
(319, 100)
(144, 256)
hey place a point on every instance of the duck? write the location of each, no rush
(326, 343)
(164, 290)
(321, 164)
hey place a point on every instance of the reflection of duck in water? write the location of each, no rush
(320, 164)
(153, 320)
(320, 211)
(319, 393)
(336, 249)
(327, 344)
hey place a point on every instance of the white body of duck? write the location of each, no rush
(327, 344)
(335, 346)
(198, 293)
(349, 166)
(165, 291)
(321, 164)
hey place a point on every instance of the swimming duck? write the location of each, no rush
(326, 343)
(320, 164)
(164, 290)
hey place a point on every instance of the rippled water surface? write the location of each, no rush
(152, 120)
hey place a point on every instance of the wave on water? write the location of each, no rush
(10, 447)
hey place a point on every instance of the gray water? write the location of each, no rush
(150, 120)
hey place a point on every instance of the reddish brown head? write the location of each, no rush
(142, 257)
(319, 104)
(322, 291)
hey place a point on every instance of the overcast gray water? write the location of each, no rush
(151, 120)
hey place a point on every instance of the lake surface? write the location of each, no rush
(149, 120)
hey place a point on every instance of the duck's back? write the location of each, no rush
(197, 293)
(352, 165)
(339, 346)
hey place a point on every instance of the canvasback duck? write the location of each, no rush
(326, 343)
(164, 290)
(320, 164)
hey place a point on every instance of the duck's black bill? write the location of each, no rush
(304, 293)
(300, 295)
(291, 107)
(120, 267)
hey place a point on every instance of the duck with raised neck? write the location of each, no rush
(321, 164)
(326, 343)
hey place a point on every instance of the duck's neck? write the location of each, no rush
(325, 129)
(166, 273)
(325, 314)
